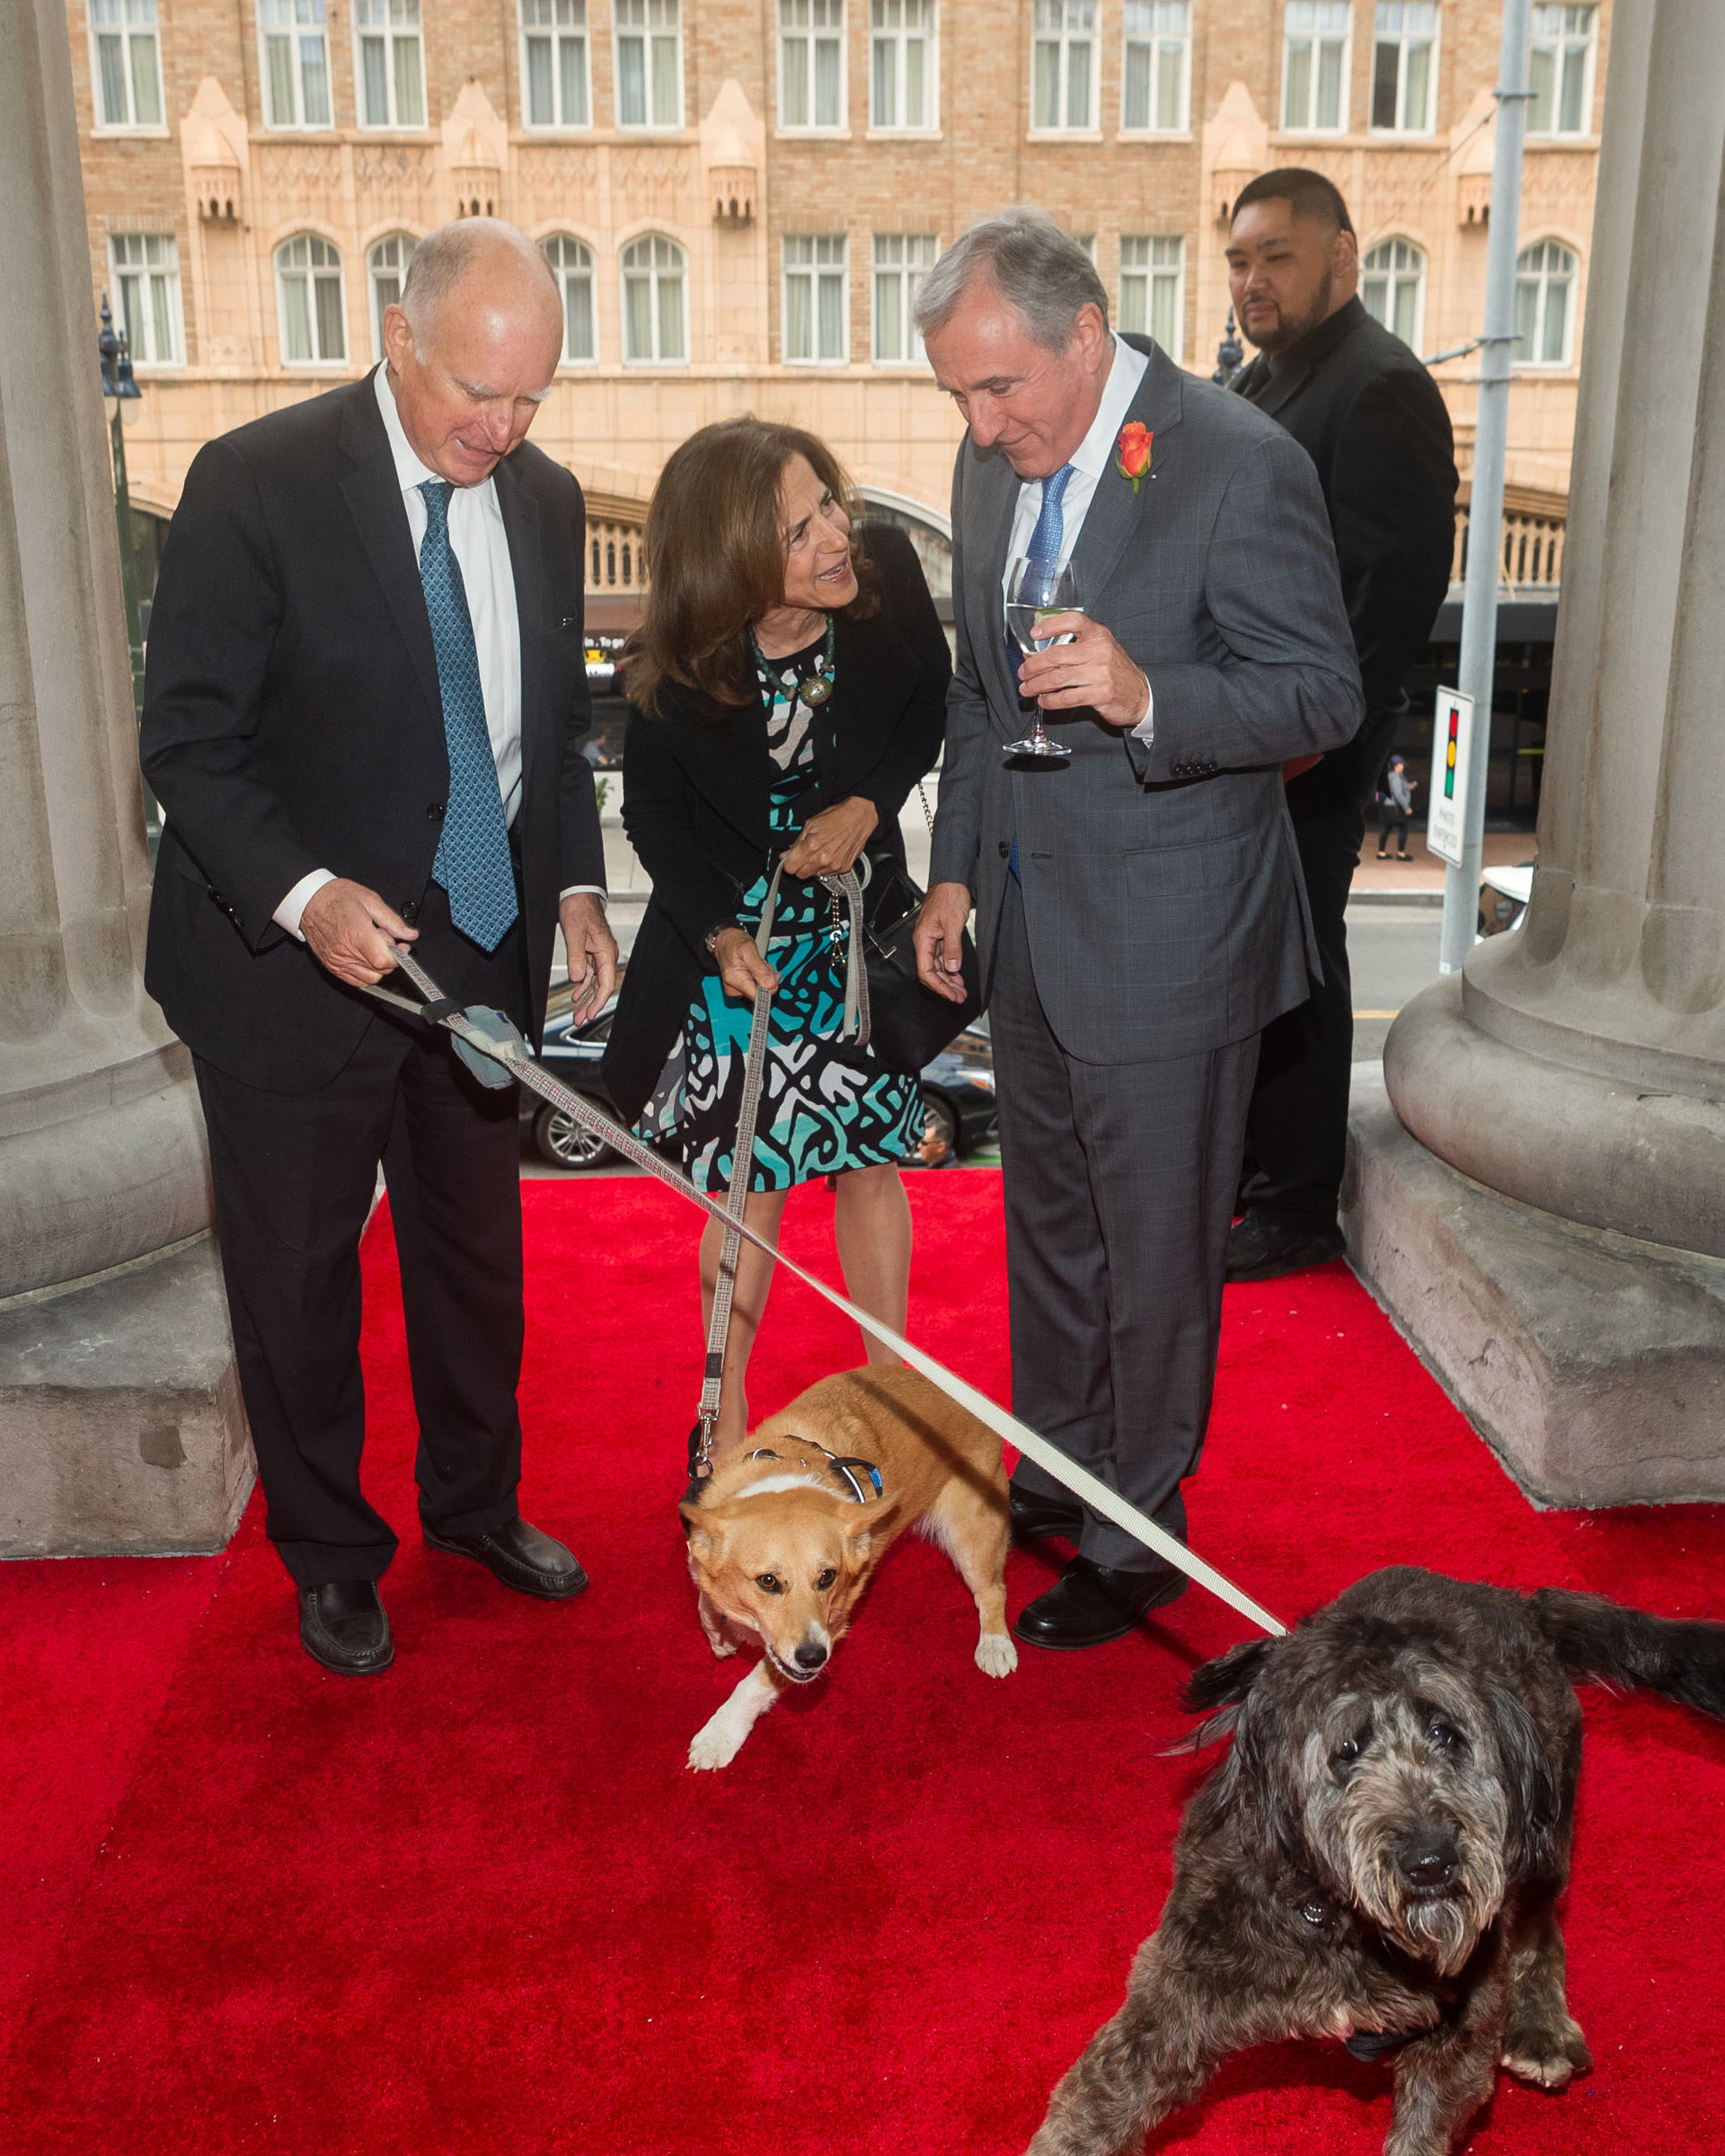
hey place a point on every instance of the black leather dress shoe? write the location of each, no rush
(342, 1625)
(1090, 1605)
(1262, 1249)
(519, 1556)
(1035, 1516)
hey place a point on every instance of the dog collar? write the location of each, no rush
(845, 1467)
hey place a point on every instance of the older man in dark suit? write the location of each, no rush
(1139, 913)
(1372, 421)
(366, 696)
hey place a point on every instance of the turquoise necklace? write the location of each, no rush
(813, 688)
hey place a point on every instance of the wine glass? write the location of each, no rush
(1034, 590)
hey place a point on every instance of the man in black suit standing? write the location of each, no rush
(363, 717)
(1372, 421)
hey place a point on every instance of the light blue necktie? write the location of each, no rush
(473, 863)
(1045, 553)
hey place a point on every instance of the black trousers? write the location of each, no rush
(1120, 1182)
(1394, 823)
(294, 1178)
(1296, 1130)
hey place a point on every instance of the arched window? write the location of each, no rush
(1393, 288)
(386, 265)
(653, 316)
(311, 302)
(1545, 305)
(572, 264)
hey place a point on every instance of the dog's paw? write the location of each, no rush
(1547, 2057)
(718, 1744)
(997, 1657)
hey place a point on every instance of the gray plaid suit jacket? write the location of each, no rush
(1162, 895)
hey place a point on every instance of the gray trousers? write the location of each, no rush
(1119, 1184)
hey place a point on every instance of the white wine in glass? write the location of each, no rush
(1035, 590)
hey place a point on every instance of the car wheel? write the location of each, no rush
(940, 1144)
(565, 1143)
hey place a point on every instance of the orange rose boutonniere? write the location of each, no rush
(1132, 452)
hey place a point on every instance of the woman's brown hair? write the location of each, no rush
(714, 554)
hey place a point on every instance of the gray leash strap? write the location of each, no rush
(857, 1026)
(742, 1167)
(490, 1034)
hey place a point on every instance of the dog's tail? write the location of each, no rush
(1683, 1660)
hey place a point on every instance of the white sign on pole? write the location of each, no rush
(1452, 726)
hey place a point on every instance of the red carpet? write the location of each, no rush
(479, 1905)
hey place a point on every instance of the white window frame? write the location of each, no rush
(302, 28)
(813, 64)
(1059, 30)
(147, 297)
(658, 274)
(571, 271)
(652, 24)
(1541, 276)
(385, 280)
(1396, 276)
(1153, 288)
(314, 271)
(1559, 34)
(895, 28)
(817, 264)
(560, 27)
(130, 30)
(901, 259)
(398, 26)
(1314, 25)
(1161, 31)
(1390, 30)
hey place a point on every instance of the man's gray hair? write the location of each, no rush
(443, 257)
(1042, 272)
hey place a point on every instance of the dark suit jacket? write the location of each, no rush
(292, 721)
(1373, 421)
(1163, 895)
(695, 797)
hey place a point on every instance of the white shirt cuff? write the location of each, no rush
(1145, 730)
(287, 915)
(596, 890)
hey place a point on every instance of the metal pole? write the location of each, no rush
(1485, 506)
(128, 563)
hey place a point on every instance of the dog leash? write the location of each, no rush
(485, 1038)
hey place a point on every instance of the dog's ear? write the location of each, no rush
(704, 1541)
(859, 1538)
(1532, 1780)
(1226, 1681)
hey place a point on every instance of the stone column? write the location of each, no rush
(119, 1420)
(1545, 1210)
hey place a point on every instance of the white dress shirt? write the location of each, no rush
(1090, 461)
(481, 551)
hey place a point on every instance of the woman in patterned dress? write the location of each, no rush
(789, 683)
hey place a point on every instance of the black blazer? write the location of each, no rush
(694, 797)
(292, 721)
(1373, 421)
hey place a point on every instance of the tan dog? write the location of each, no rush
(783, 1538)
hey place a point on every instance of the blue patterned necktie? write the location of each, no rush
(1043, 554)
(473, 863)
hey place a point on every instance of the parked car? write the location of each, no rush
(1504, 897)
(958, 1091)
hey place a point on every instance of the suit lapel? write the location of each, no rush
(1284, 387)
(373, 497)
(991, 525)
(520, 512)
(1116, 505)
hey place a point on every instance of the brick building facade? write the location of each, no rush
(739, 196)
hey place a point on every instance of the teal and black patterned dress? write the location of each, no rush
(827, 1105)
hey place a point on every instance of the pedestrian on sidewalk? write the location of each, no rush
(1373, 421)
(1395, 810)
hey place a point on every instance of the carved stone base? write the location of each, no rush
(1592, 1364)
(121, 1428)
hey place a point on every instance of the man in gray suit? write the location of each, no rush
(1140, 916)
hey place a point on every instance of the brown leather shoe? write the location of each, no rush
(519, 1556)
(342, 1625)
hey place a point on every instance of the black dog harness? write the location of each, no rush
(845, 1466)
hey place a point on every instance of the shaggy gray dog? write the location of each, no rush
(1379, 1857)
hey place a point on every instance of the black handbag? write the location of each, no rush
(909, 1024)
